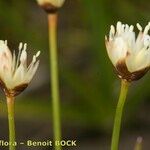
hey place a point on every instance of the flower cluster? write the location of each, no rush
(15, 74)
(129, 55)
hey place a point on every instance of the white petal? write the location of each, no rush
(139, 42)
(19, 75)
(139, 61)
(118, 50)
(23, 56)
(146, 40)
(31, 72)
(5, 54)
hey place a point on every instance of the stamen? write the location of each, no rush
(119, 27)
(139, 27)
(5, 42)
(20, 49)
(131, 28)
(25, 46)
(146, 29)
(23, 56)
(38, 54)
(20, 45)
(14, 61)
(112, 29)
(34, 59)
(126, 28)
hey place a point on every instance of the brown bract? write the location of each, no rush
(49, 8)
(13, 92)
(124, 73)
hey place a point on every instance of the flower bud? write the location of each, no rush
(51, 6)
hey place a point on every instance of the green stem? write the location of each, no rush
(11, 121)
(52, 20)
(118, 115)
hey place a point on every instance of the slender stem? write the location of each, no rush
(52, 20)
(118, 115)
(11, 121)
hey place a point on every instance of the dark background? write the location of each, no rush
(89, 87)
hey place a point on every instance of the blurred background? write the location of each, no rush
(89, 87)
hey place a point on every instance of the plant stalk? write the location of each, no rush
(52, 24)
(11, 121)
(118, 115)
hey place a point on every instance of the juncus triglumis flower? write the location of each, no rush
(51, 6)
(129, 54)
(15, 74)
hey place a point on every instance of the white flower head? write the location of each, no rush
(15, 74)
(51, 6)
(129, 54)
